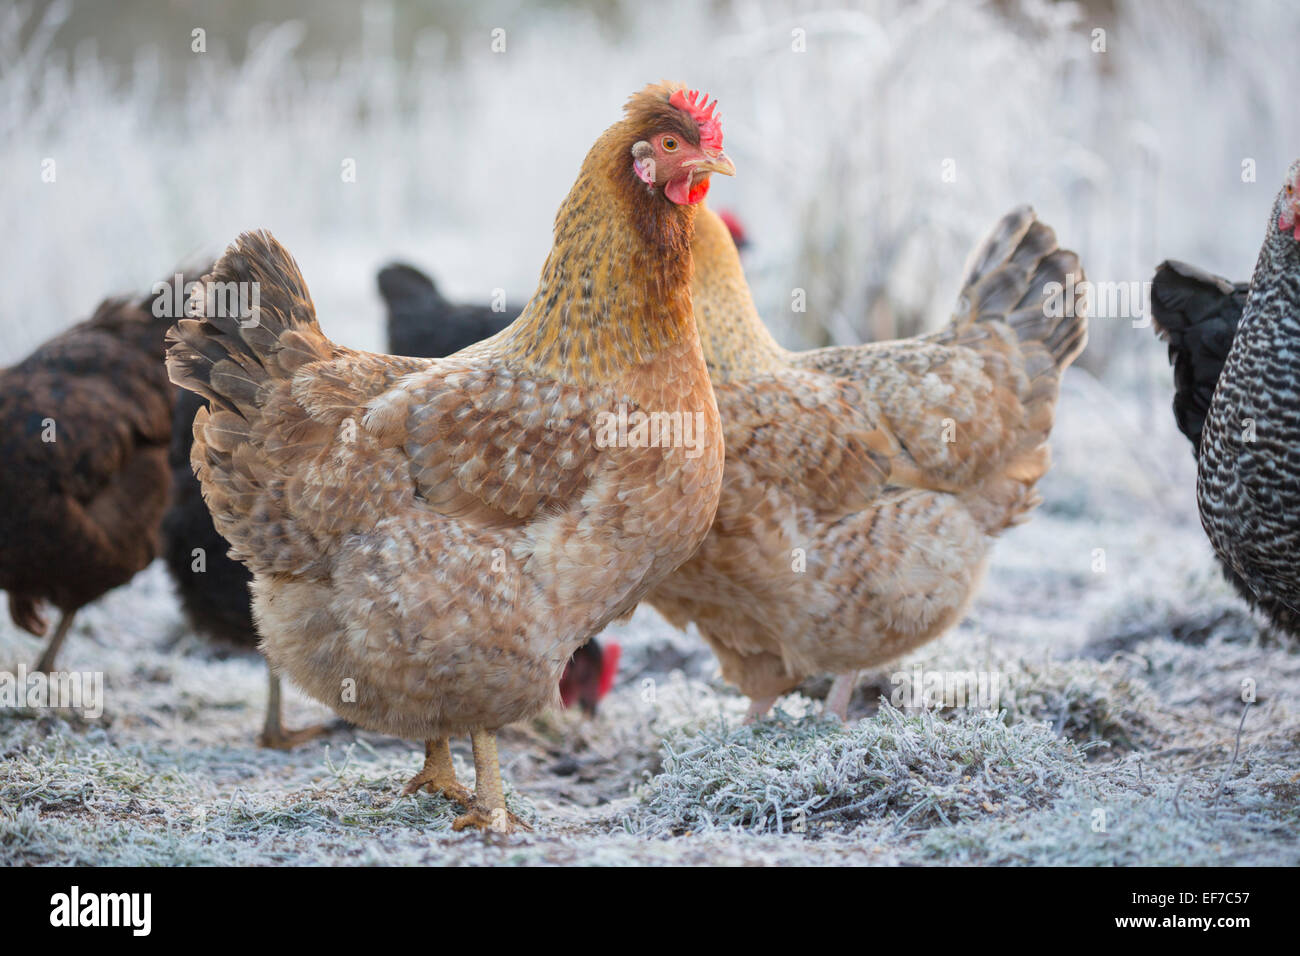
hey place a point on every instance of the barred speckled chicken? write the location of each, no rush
(863, 484)
(1248, 479)
(1197, 314)
(431, 539)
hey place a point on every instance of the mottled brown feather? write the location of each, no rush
(439, 535)
(862, 484)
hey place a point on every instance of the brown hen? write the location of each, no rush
(863, 484)
(84, 426)
(431, 539)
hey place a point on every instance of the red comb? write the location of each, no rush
(696, 105)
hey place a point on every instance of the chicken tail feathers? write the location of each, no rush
(1022, 309)
(253, 326)
(253, 321)
(1020, 276)
(1197, 314)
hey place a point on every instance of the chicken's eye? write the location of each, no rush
(669, 144)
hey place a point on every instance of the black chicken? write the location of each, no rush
(84, 426)
(422, 323)
(1245, 428)
(212, 588)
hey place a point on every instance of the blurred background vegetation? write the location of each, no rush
(876, 142)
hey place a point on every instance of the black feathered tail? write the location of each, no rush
(1197, 314)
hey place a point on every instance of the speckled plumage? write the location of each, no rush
(838, 459)
(442, 534)
(1248, 479)
(1197, 313)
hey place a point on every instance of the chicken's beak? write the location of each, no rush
(717, 163)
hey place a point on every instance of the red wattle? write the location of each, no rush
(683, 194)
(677, 190)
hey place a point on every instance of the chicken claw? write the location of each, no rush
(499, 820)
(26, 613)
(275, 736)
(282, 739)
(439, 775)
(488, 809)
(837, 701)
(758, 708)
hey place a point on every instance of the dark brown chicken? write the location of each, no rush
(84, 426)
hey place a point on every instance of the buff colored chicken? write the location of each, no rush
(863, 484)
(432, 539)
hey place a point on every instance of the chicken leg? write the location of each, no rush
(837, 701)
(439, 775)
(274, 735)
(46, 663)
(758, 708)
(488, 811)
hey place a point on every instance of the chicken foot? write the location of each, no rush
(439, 775)
(274, 735)
(488, 809)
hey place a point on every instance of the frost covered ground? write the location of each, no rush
(1122, 653)
(1121, 703)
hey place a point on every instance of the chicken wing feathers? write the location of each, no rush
(814, 437)
(481, 435)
